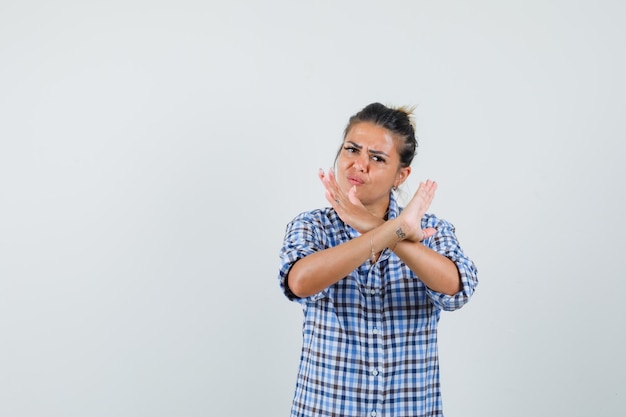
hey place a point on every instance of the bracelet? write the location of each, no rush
(373, 258)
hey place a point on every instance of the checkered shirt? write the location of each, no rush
(369, 343)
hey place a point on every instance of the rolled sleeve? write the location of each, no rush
(301, 239)
(446, 243)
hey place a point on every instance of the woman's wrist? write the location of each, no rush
(391, 232)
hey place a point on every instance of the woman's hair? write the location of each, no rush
(397, 120)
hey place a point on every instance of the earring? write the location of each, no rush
(394, 188)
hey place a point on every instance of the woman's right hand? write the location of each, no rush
(348, 206)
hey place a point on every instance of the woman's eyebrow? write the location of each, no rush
(373, 152)
(359, 147)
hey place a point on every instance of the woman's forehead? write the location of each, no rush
(372, 135)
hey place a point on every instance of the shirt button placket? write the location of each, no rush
(376, 351)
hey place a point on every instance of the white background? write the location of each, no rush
(152, 152)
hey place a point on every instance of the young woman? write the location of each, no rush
(372, 279)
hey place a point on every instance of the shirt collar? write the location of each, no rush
(394, 209)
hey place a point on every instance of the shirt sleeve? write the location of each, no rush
(446, 243)
(302, 238)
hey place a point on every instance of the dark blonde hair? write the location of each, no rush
(397, 120)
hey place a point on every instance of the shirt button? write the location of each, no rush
(373, 413)
(375, 372)
(375, 330)
(372, 291)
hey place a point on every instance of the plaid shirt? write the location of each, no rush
(370, 340)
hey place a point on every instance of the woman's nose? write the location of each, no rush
(361, 163)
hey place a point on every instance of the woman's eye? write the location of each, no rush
(351, 149)
(377, 158)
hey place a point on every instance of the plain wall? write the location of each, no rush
(152, 152)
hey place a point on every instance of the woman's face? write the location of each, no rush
(369, 160)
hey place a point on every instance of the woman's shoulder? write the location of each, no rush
(432, 220)
(319, 215)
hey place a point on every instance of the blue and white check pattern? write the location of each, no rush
(370, 341)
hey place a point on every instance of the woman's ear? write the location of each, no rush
(402, 175)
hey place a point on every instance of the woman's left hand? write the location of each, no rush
(348, 206)
(416, 209)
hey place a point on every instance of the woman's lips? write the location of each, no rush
(355, 181)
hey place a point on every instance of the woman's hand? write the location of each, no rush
(416, 209)
(348, 206)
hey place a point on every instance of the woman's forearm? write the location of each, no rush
(319, 270)
(435, 270)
